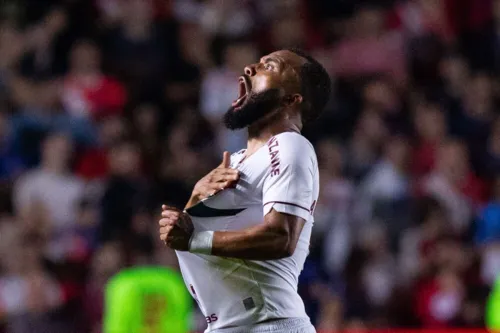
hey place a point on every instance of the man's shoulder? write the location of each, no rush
(292, 146)
(293, 138)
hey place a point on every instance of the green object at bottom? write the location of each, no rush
(493, 308)
(147, 300)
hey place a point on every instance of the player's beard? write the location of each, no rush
(256, 107)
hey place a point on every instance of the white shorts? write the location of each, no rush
(291, 325)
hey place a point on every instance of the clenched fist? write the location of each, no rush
(176, 228)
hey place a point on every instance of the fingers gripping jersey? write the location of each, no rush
(282, 175)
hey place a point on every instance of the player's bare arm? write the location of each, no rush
(216, 180)
(276, 238)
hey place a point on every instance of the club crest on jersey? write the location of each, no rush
(273, 147)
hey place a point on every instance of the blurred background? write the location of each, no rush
(110, 108)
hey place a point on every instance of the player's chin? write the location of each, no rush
(233, 120)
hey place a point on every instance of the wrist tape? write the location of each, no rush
(201, 242)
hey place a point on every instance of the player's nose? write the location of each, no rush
(250, 70)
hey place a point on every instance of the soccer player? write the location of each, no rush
(244, 235)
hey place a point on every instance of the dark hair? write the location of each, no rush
(316, 86)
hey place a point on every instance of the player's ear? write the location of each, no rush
(295, 99)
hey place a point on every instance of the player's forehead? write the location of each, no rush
(285, 57)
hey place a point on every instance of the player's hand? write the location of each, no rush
(176, 228)
(215, 181)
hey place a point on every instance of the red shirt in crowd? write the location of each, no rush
(94, 96)
(93, 164)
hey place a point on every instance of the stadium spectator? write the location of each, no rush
(92, 163)
(430, 131)
(28, 293)
(141, 50)
(52, 190)
(333, 213)
(368, 48)
(430, 223)
(368, 136)
(124, 192)
(87, 92)
(426, 17)
(453, 183)
(227, 18)
(455, 73)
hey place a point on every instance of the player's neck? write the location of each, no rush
(259, 136)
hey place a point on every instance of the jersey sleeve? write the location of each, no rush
(289, 185)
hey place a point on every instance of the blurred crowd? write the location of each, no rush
(110, 108)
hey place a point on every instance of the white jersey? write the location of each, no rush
(283, 174)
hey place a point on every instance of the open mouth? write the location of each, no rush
(243, 92)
